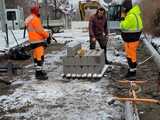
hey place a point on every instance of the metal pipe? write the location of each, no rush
(152, 51)
(15, 38)
(24, 33)
(6, 30)
(13, 25)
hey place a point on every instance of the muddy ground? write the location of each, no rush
(58, 99)
(151, 89)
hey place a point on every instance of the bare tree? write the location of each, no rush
(25, 4)
(53, 6)
(49, 6)
(57, 8)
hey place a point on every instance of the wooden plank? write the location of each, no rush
(138, 100)
(137, 82)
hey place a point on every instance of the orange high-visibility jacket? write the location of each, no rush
(35, 29)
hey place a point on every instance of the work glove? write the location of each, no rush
(49, 38)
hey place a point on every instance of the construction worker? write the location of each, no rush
(38, 39)
(98, 30)
(131, 27)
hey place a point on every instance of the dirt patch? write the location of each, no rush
(21, 73)
(147, 72)
(56, 99)
(76, 99)
(151, 17)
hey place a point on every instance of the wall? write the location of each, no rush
(149, 8)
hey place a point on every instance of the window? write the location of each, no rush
(11, 15)
(114, 13)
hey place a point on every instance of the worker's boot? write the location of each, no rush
(44, 72)
(131, 75)
(92, 45)
(105, 56)
(40, 75)
(42, 61)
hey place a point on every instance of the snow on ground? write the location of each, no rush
(12, 42)
(78, 35)
(114, 44)
(56, 99)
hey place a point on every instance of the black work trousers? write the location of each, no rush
(102, 40)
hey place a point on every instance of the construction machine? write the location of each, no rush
(113, 13)
(88, 8)
(113, 9)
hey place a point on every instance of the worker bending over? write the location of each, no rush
(98, 30)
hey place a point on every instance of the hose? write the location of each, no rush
(145, 60)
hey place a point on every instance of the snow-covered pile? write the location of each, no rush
(51, 99)
(12, 40)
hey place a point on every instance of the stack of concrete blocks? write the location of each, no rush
(89, 65)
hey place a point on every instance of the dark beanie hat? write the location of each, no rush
(127, 5)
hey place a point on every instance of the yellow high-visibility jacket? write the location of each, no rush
(132, 25)
(132, 21)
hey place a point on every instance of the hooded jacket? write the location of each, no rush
(132, 25)
(35, 29)
(133, 20)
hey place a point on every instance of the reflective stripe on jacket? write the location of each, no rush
(133, 21)
(132, 26)
(35, 29)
